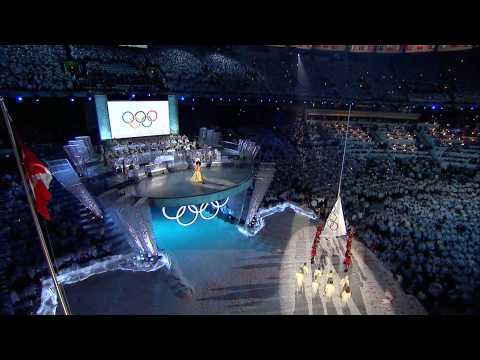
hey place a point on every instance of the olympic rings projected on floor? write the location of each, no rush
(194, 210)
(140, 118)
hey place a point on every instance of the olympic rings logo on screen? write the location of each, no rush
(139, 119)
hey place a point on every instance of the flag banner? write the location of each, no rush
(362, 48)
(419, 48)
(39, 178)
(330, 47)
(389, 48)
(453, 47)
(335, 224)
(36, 178)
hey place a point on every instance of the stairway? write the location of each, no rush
(114, 241)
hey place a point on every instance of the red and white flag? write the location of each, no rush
(39, 178)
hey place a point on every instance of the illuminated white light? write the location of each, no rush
(194, 210)
(263, 213)
(202, 208)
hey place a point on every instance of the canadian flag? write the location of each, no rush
(39, 178)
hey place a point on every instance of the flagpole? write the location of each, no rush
(344, 151)
(43, 243)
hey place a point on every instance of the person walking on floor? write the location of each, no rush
(300, 278)
(346, 295)
(323, 259)
(313, 254)
(329, 288)
(315, 287)
(317, 274)
(329, 275)
(348, 260)
(344, 282)
(349, 241)
(305, 270)
(318, 232)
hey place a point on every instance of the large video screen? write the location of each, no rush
(138, 118)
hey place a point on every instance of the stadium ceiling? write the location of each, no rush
(393, 49)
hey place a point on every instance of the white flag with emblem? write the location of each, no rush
(335, 224)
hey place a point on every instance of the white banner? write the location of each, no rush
(138, 118)
(335, 224)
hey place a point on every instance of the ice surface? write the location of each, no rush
(125, 262)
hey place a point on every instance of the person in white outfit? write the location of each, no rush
(317, 274)
(305, 269)
(329, 288)
(329, 275)
(323, 259)
(344, 282)
(315, 286)
(346, 295)
(300, 281)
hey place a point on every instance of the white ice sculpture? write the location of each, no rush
(263, 213)
(68, 178)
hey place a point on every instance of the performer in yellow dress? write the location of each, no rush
(197, 174)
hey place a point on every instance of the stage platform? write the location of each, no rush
(175, 188)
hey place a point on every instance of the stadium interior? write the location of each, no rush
(392, 130)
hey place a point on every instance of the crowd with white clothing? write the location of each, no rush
(321, 275)
(420, 218)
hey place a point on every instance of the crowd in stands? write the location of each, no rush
(68, 236)
(403, 148)
(358, 134)
(176, 69)
(398, 133)
(421, 221)
(278, 71)
(417, 216)
(180, 67)
(451, 137)
(455, 145)
(33, 67)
